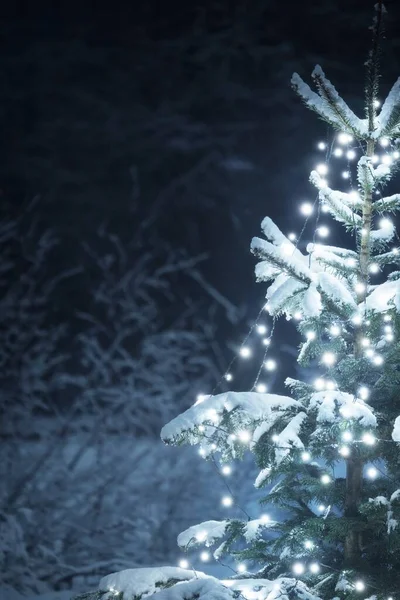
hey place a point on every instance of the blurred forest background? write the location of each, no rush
(141, 146)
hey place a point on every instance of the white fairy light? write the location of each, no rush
(241, 568)
(266, 341)
(376, 104)
(261, 388)
(306, 457)
(345, 174)
(378, 360)
(261, 329)
(347, 436)
(287, 248)
(373, 268)
(321, 146)
(311, 335)
(292, 237)
(244, 436)
(387, 318)
(385, 223)
(265, 518)
(338, 152)
(306, 209)
(363, 392)
(275, 438)
(369, 353)
(335, 330)
(319, 384)
(298, 568)
(396, 154)
(344, 138)
(374, 159)
(200, 398)
(330, 385)
(389, 337)
(205, 556)
(202, 452)
(245, 352)
(372, 473)
(321, 507)
(183, 563)
(359, 586)
(384, 142)
(350, 154)
(308, 545)
(354, 196)
(365, 342)
(329, 358)
(386, 159)
(359, 287)
(322, 169)
(202, 428)
(395, 251)
(314, 568)
(325, 479)
(344, 451)
(227, 501)
(368, 438)
(201, 536)
(324, 207)
(226, 470)
(270, 364)
(387, 329)
(323, 231)
(357, 320)
(228, 377)
(298, 316)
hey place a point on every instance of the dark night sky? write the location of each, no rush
(95, 91)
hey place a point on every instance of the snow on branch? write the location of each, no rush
(332, 406)
(328, 104)
(388, 204)
(337, 202)
(389, 117)
(206, 533)
(384, 297)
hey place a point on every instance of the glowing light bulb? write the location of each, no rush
(369, 353)
(228, 377)
(347, 436)
(202, 428)
(202, 452)
(373, 268)
(396, 154)
(292, 237)
(310, 335)
(298, 316)
(306, 209)
(287, 249)
(386, 159)
(308, 545)
(338, 152)
(363, 392)
(205, 556)
(241, 568)
(325, 479)
(372, 473)
(387, 329)
(385, 224)
(261, 329)
(344, 451)
(319, 384)
(384, 142)
(321, 507)
(201, 536)
(270, 364)
(323, 231)
(344, 138)
(306, 457)
(354, 196)
(389, 337)
(245, 352)
(275, 438)
(261, 388)
(227, 501)
(350, 154)
(359, 586)
(322, 169)
(335, 330)
(377, 360)
(266, 341)
(365, 342)
(329, 358)
(375, 159)
(368, 438)
(321, 146)
(298, 568)
(359, 287)
(244, 436)
(314, 568)
(376, 104)
(330, 385)
(183, 563)
(265, 519)
(226, 470)
(324, 207)
(200, 398)
(345, 174)
(387, 318)
(357, 320)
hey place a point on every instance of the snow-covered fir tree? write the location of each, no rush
(328, 452)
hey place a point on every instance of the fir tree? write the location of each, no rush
(327, 452)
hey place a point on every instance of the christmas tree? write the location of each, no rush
(327, 453)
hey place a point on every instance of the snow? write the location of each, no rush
(261, 477)
(396, 430)
(336, 290)
(289, 437)
(333, 405)
(384, 297)
(207, 533)
(385, 233)
(312, 305)
(253, 529)
(337, 202)
(135, 582)
(392, 99)
(248, 407)
(206, 589)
